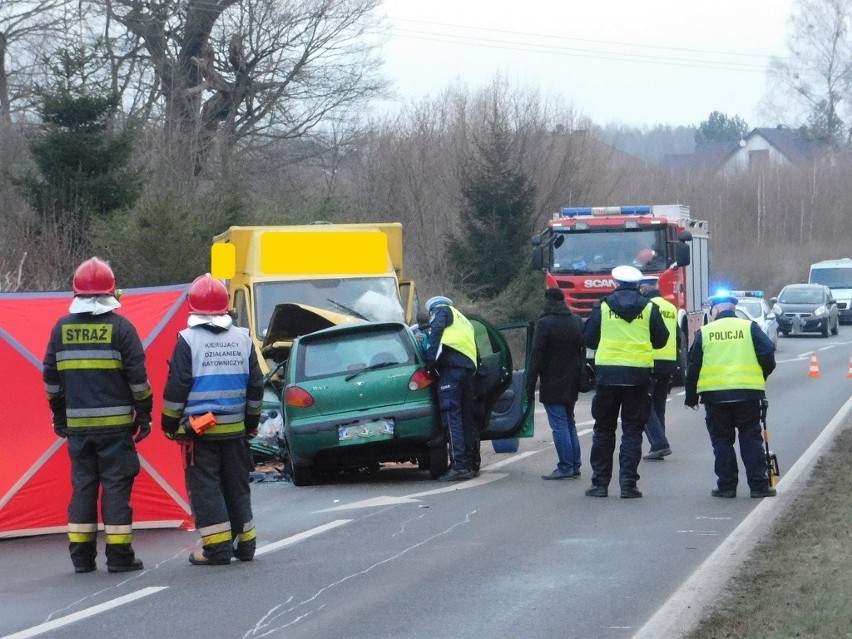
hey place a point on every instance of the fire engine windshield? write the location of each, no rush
(600, 251)
(370, 298)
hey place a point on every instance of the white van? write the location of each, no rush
(836, 275)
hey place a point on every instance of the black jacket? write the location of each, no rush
(557, 355)
(626, 302)
(763, 348)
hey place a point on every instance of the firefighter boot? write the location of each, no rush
(83, 555)
(218, 554)
(245, 550)
(121, 558)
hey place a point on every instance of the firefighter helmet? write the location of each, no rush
(208, 296)
(94, 277)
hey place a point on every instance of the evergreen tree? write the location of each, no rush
(81, 155)
(496, 217)
(719, 127)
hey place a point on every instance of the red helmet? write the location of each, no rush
(208, 296)
(94, 277)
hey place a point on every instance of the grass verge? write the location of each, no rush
(798, 581)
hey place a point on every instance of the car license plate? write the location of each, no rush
(363, 432)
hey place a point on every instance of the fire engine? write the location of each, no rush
(580, 247)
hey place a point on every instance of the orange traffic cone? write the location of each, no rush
(813, 371)
(849, 374)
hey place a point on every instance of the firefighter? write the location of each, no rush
(97, 386)
(727, 368)
(451, 354)
(215, 384)
(624, 328)
(665, 365)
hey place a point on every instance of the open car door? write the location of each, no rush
(501, 379)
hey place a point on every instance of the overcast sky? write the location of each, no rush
(639, 63)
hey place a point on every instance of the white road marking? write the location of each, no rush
(289, 541)
(84, 614)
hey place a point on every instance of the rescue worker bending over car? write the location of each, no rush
(451, 353)
(212, 403)
(97, 385)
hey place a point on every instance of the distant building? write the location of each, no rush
(761, 147)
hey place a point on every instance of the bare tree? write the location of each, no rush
(817, 73)
(25, 27)
(241, 73)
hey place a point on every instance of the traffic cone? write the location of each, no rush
(813, 371)
(849, 374)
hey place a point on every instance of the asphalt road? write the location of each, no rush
(394, 554)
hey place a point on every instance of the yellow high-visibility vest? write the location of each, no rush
(669, 312)
(625, 343)
(460, 336)
(729, 361)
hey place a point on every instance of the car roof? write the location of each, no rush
(819, 286)
(348, 329)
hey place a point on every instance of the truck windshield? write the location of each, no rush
(371, 298)
(832, 277)
(599, 251)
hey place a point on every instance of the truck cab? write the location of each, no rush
(327, 274)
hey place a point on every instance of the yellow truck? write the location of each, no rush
(324, 273)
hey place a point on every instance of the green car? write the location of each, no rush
(358, 395)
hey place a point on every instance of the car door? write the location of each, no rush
(501, 379)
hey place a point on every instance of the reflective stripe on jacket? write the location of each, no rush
(729, 359)
(668, 311)
(625, 343)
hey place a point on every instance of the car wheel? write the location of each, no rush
(438, 461)
(783, 333)
(824, 330)
(836, 329)
(303, 475)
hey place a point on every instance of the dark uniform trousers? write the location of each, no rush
(217, 480)
(634, 404)
(456, 403)
(724, 421)
(109, 461)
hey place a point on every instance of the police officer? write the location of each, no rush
(727, 367)
(665, 365)
(214, 370)
(97, 386)
(452, 355)
(625, 328)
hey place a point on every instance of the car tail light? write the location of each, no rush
(420, 380)
(298, 397)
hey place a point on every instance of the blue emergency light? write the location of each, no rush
(747, 293)
(606, 210)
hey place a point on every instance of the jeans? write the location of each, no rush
(634, 404)
(655, 429)
(724, 422)
(561, 420)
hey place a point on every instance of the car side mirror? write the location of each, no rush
(682, 256)
(773, 300)
(770, 316)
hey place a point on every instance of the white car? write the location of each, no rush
(751, 305)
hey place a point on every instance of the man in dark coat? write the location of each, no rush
(557, 358)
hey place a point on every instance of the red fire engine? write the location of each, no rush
(580, 246)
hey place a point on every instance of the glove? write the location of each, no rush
(143, 429)
(61, 430)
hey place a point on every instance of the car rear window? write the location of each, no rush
(353, 351)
